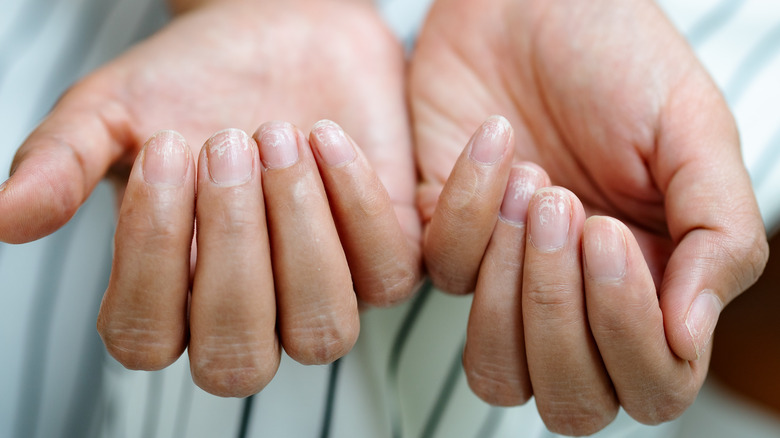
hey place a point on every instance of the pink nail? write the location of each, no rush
(278, 145)
(549, 220)
(332, 143)
(523, 182)
(165, 159)
(491, 140)
(230, 157)
(605, 251)
(702, 319)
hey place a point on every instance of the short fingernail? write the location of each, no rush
(332, 144)
(523, 182)
(165, 159)
(230, 157)
(278, 145)
(605, 252)
(549, 222)
(702, 318)
(491, 140)
(3, 186)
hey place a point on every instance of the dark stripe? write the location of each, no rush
(760, 55)
(184, 407)
(445, 394)
(711, 22)
(330, 397)
(245, 416)
(84, 408)
(491, 422)
(39, 327)
(394, 402)
(151, 416)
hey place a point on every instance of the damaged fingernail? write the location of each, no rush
(165, 159)
(491, 140)
(278, 145)
(331, 143)
(230, 157)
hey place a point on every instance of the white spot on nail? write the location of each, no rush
(226, 140)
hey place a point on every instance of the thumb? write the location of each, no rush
(713, 216)
(60, 163)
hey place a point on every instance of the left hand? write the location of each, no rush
(607, 98)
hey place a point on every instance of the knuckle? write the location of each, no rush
(496, 386)
(392, 287)
(228, 367)
(321, 340)
(662, 407)
(137, 347)
(579, 419)
(552, 296)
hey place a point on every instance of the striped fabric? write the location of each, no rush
(404, 377)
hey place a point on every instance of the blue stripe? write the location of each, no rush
(246, 415)
(39, 329)
(491, 423)
(445, 394)
(330, 398)
(710, 23)
(758, 58)
(394, 401)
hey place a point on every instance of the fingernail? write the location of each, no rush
(702, 318)
(3, 186)
(490, 141)
(605, 252)
(332, 144)
(549, 222)
(523, 182)
(230, 157)
(165, 159)
(278, 145)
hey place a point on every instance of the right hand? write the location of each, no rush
(234, 63)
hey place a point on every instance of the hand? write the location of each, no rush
(233, 63)
(610, 101)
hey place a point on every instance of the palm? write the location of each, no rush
(581, 99)
(239, 64)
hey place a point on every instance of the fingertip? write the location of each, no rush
(701, 320)
(331, 144)
(524, 180)
(41, 196)
(492, 141)
(166, 159)
(604, 249)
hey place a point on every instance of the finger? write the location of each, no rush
(652, 383)
(384, 265)
(234, 350)
(60, 163)
(712, 215)
(572, 390)
(494, 355)
(318, 316)
(466, 212)
(143, 316)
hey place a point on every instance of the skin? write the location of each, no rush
(236, 63)
(599, 319)
(610, 101)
